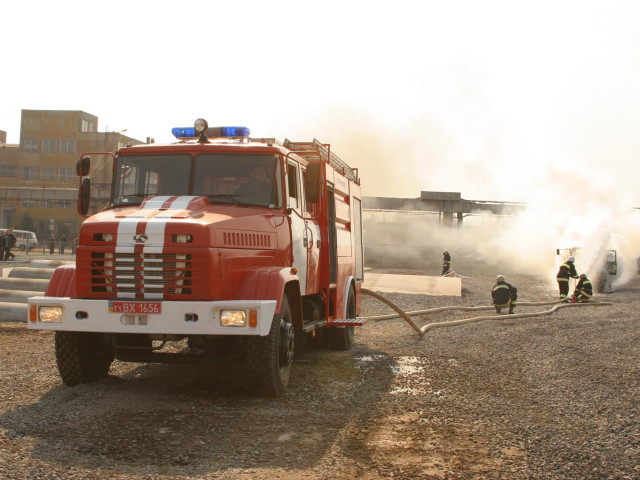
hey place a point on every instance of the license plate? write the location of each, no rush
(135, 307)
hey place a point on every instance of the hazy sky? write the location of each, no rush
(494, 99)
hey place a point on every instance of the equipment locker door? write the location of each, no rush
(312, 229)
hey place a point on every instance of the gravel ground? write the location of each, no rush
(548, 397)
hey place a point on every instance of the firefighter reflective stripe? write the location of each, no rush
(562, 279)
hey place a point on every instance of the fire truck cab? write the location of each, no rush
(218, 248)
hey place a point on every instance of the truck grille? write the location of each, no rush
(141, 275)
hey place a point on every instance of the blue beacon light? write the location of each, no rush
(188, 132)
(234, 132)
(212, 132)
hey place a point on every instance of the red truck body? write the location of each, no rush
(216, 241)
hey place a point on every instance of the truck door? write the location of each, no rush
(299, 231)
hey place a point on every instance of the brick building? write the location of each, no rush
(38, 183)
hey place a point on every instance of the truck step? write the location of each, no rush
(350, 322)
(311, 326)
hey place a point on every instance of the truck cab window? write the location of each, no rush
(239, 179)
(292, 186)
(308, 206)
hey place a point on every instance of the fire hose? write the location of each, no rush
(406, 316)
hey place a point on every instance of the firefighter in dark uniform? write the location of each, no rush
(584, 289)
(504, 295)
(446, 262)
(567, 270)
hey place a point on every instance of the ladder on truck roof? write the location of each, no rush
(330, 158)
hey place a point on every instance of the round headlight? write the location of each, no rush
(201, 125)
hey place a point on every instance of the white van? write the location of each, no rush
(23, 238)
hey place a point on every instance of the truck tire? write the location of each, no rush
(270, 358)
(81, 357)
(341, 338)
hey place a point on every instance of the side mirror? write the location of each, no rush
(312, 182)
(84, 196)
(83, 166)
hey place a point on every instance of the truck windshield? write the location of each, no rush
(137, 177)
(244, 179)
(223, 178)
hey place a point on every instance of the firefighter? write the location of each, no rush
(504, 295)
(567, 270)
(446, 262)
(9, 242)
(52, 244)
(257, 187)
(584, 289)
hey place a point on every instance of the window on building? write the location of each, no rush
(47, 173)
(67, 146)
(31, 145)
(47, 204)
(28, 203)
(66, 174)
(88, 126)
(63, 203)
(49, 146)
(10, 171)
(29, 173)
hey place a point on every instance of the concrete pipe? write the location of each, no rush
(49, 263)
(13, 312)
(17, 296)
(28, 272)
(31, 284)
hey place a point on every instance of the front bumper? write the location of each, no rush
(176, 318)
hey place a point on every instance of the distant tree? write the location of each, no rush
(27, 223)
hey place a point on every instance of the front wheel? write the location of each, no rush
(81, 357)
(270, 358)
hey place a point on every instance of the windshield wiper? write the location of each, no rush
(229, 197)
(133, 199)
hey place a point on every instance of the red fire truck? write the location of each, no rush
(218, 248)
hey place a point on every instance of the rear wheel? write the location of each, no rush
(270, 358)
(81, 357)
(341, 338)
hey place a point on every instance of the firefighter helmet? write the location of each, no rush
(446, 251)
(500, 278)
(583, 276)
(571, 259)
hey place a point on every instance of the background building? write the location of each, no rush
(38, 182)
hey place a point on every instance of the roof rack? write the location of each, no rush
(322, 149)
(267, 140)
